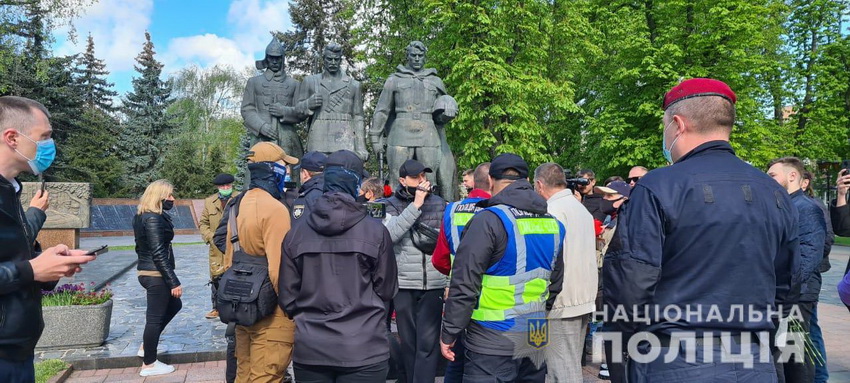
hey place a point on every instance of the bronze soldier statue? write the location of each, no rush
(412, 111)
(334, 103)
(267, 104)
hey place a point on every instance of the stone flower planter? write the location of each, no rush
(75, 326)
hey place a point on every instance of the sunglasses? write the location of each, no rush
(633, 179)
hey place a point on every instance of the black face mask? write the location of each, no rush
(607, 207)
(468, 190)
(410, 190)
(361, 199)
(167, 204)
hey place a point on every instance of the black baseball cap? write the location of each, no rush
(314, 161)
(346, 159)
(412, 168)
(507, 161)
(223, 179)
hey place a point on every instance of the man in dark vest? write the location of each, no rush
(338, 274)
(413, 219)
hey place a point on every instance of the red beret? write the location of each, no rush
(698, 87)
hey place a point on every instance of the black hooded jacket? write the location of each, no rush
(337, 273)
(482, 245)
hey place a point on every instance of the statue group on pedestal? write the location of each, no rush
(410, 116)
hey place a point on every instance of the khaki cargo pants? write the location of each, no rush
(263, 351)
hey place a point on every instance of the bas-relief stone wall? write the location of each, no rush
(70, 203)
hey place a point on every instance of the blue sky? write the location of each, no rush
(184, 32)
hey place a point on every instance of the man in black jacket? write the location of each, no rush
(788, 172)
(696, 240)
(26, 147)
(337, 276)
(503, 280)
(312, 183)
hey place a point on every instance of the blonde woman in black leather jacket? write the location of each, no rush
(154, 231)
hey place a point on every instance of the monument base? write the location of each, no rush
(53, 237)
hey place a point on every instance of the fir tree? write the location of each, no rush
(91, 78)
(143, 135)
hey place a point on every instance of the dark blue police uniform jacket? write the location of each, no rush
(708, 231)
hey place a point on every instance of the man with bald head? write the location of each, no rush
(709, 241)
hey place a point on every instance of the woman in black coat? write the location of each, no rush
(154, 231)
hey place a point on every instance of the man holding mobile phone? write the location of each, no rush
(26, 147)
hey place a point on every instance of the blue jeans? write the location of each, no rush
(821, 373)
(17, 372)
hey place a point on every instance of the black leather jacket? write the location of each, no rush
(20, 295)
(154, 233)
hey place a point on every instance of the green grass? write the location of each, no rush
(46, 369)
(843, 241)
(133, 247)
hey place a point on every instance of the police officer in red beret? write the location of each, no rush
(706, 249)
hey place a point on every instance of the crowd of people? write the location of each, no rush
(512, 283)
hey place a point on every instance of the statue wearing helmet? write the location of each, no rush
(268, 110)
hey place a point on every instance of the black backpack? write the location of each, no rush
(245, 294)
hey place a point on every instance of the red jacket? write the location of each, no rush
(442, 259)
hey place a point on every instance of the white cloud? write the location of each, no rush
(118, 29)
(204, 50)
(252, 20)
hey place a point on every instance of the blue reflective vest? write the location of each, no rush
(518, 285)
(455, 218)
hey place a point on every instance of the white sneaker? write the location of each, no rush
(603, 366)
(141, 353)
(158, 368)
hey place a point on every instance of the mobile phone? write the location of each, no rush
(99, 251)
(845, 167)
(41, 179)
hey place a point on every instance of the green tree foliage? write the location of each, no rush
(496, 62)
(90, 76)
(208, 131)
(144, 134)
(315, 24)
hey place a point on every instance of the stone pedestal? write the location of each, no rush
(52, 237)
(68, 212)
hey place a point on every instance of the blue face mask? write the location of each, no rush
(281, 176)
(45, 153)
(668, 154)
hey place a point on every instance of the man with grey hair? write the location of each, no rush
(334, 103)
(709, 236)
(412, 112)
(569, 315)
(26, 147)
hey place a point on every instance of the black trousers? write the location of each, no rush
(418, 317)
(616, 370)
(481, 368)
(795, 370)
(375, 373)
(17, 372)
(162, 308)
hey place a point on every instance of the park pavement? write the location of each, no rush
(190, 335)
